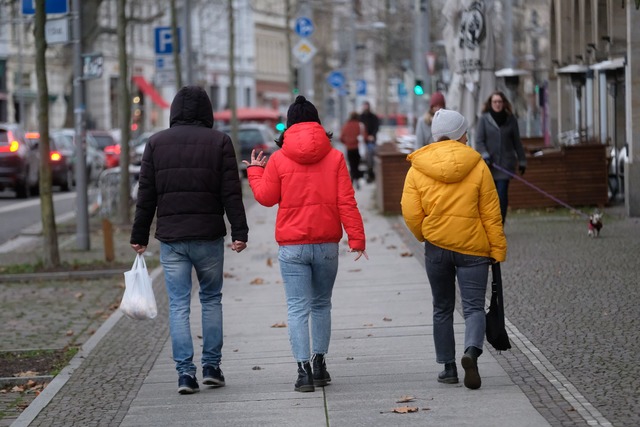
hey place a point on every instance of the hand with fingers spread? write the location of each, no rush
(259, 160)
(360, 254)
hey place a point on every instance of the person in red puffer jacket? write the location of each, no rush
(352, 134)
(309, 181)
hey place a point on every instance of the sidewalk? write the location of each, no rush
(381, 350)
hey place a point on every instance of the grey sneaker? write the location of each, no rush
(212, 376)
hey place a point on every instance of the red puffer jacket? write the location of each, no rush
(309, 181)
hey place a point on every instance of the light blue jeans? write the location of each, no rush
(443, 266)
(178, 260)
(309, 272)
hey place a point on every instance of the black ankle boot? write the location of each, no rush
(470, 364)
(304, 382)
(449, 375)
(321, 377)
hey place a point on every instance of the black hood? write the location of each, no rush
(191, 106)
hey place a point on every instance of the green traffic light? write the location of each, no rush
(280, 127)
(418, 90)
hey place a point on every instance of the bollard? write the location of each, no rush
(107, 234)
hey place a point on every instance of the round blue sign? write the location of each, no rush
(336, 79)
(304, 26)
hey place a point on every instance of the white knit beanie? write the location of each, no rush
(448, 123)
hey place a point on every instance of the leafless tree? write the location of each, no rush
(51, 254)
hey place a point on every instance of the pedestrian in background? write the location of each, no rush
(450, 203)
(353, 134)
(189, 179)
(309, 181)
(371, 124)
(497, 139)
(423, 128)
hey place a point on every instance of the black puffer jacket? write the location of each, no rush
(189, 173)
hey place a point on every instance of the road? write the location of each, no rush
(17, 214)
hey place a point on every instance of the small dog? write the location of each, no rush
(595, 224)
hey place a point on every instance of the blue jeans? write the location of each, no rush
(502, 186)
(309, 272)
(178, 260)
(443, 266)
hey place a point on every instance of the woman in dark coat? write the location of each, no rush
(498, 141)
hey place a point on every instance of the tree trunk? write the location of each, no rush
(232, 83)
(175, 42)
(124, 103)
(51, 255)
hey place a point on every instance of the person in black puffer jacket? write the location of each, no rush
(189, 178)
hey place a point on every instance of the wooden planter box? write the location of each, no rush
(391, 169)
(576, 175)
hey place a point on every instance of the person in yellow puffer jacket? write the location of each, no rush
(450, 203)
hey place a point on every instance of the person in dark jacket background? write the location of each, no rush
(498, 142)
(371, 124)
(189, 179)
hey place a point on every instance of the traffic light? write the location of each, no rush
(296, 81)
(418, 89)
(280, 127)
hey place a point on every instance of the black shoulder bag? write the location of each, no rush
(496, 332)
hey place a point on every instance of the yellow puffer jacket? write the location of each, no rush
(450, 199)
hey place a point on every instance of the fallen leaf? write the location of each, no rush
(279, 325)
(27, 374)
(426, 409)
(369, 335)
(349, 358)
(405, 399)
(257, 281)
(79, 295)
(235, 351)
(228, 275)
(405, 409)
(31, 383)
(406, 254)
(199, 337)
(269, 262)
(70, 332)
(368, 324)
(386, 319)
(256, 368)
(17, 389)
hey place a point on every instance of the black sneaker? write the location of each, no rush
(187, 384)
(212, 376)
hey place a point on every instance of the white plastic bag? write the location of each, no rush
(138, 301)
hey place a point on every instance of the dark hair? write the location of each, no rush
(354, 115)
(280, 141)
(505, 103)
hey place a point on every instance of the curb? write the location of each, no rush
(91, 274)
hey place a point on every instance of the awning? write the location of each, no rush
(609, 64)
(150, 91)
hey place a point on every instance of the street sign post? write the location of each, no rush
(56, 31)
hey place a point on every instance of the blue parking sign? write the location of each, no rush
(164, 40)
(361, 87)
(50, 6)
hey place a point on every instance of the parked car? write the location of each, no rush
(252, 136)
(136, 147)
(94, 155)
(19, 161)
(106, 142)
